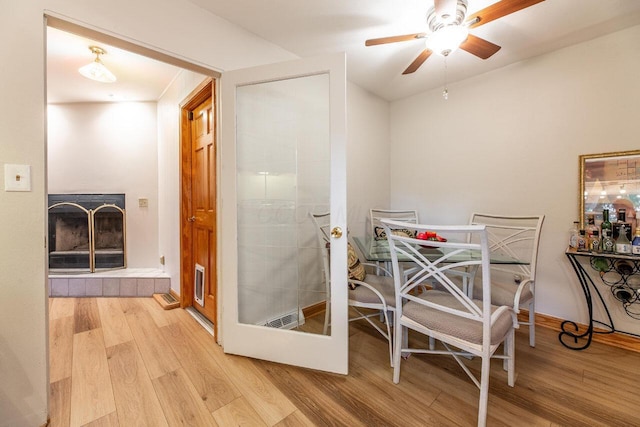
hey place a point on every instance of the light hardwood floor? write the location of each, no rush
(126, 362)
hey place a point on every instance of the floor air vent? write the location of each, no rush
(289, 320)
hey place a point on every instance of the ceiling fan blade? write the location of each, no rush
(498, 10)
(479, 47)
(417, 62)
(394, 39)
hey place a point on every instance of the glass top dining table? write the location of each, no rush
(378, 251)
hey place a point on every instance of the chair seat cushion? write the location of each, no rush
(382, 284)
(450, 324)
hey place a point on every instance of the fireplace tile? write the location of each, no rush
(94, 287)
(128, 287)
(111, 287)
(146, 287)
(162, 285)
(59, 287)
(77, 287)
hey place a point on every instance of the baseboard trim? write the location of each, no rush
(314, 309)
(616, 339)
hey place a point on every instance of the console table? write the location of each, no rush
(621, 273)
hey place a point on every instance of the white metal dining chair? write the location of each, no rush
(376, 215)
(366, 290)
(514, 285)
(464, 326)
(376, 228)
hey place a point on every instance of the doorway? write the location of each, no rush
(155, 208)
(198, 160)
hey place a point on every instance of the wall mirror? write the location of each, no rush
(610, 181)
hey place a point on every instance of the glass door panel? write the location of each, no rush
(283, 174)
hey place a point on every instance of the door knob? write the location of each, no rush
(336, 232)
(192, 219)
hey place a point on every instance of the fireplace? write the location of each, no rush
(87, 232)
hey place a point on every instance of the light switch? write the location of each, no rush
(143, 202)
(17, 177)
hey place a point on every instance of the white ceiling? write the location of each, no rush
(138, 78)
(308, 28)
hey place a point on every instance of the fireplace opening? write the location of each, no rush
(86, 232)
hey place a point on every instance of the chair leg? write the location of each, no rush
(510, 351)
(397, 349)
(390, 337)
(484, 391)
(532, 323)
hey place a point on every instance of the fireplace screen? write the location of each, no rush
(86, 232)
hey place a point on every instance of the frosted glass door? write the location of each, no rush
(283, 173)
(288, 155)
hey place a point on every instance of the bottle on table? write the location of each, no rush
(621, 220)
(623, 245)
(606, 224)
(608, 245)
(591, 226)
(594, 242)
(582, 241)
(573, 236)
(635, 245)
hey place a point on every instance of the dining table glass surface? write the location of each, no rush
(378, 251)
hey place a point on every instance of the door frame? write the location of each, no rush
(203, 91)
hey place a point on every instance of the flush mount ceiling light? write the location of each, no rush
(96, 70)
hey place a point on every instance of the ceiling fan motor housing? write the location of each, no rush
(434, 22)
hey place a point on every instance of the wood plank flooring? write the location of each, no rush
(127, 362)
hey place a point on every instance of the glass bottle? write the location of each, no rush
(591, 226)
(582, 241)
(594, 242)
(573, 236)
(622, 220)
(606, 224)
(623, 245)
(607, 244)
(635, 245)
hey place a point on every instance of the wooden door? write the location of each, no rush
(199, 237)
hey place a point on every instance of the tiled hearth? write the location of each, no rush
(128, 282)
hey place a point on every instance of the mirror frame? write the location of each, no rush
(605, 157)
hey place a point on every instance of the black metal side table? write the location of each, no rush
(621, 273)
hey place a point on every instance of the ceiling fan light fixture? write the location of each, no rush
(447, 39)
(96, 70)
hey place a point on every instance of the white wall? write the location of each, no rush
(167, 25)
(368, 157)
(508, 142)
(169, 171)
(110, 148)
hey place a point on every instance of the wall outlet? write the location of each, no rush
(162, 260)
(143, 202)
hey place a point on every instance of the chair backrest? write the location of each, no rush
(514, 236)
(434, 264)
(375, 215)
(321, 222)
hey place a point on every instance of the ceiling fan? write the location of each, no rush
(449, 29)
